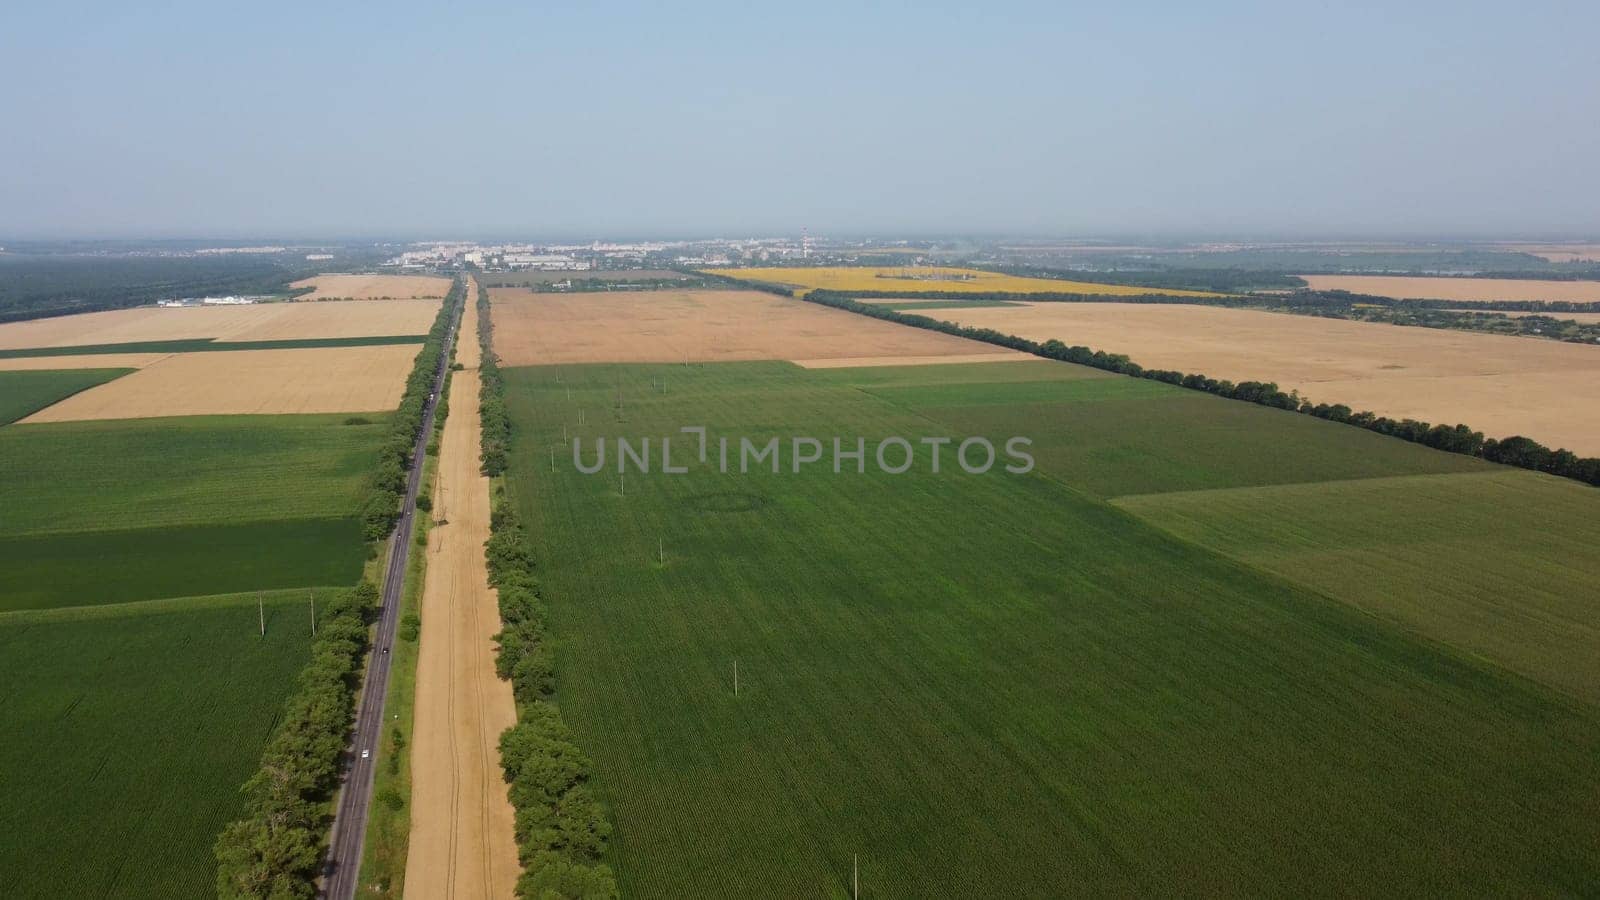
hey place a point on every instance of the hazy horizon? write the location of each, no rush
(1237, 121)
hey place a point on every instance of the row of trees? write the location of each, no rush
(388, 483)
(275, 850)
(1517, 451)
(561, 828)
(492, 399)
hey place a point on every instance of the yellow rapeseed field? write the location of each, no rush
(932, 278)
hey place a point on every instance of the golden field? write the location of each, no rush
(1463, 290)
(248, 382)
(1546, 390)
(254, 322)
(374, 287)
(703, 326)
(932, 278)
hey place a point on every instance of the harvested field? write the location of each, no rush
(699, 326)
(348, 379)
(462, 840)
(1559, 253)
(1490, 382)
(375, 287)
(256, 322)
(1466, 290)
(942, 279)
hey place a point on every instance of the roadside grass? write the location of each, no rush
(144, 473)
(1501, 564)
(210, 345)
(24, 393)
(109, 567)
(125, 733)
(996, 684)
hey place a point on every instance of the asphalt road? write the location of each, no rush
(343, 865)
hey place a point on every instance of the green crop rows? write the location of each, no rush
(128, 731)
(24, 393)
(1000, 684)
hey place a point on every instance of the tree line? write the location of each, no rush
(561, 828)
(37, 287)
(275, 850)
(1519, 451)
(387, 485)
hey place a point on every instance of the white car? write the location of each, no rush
(366, 754)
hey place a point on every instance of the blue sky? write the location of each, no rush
(631, 119)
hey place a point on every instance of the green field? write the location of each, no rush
(210, 345)
(1502, 563)
(98, 567)
(999, 684)
(125, 733)
(140, 473)
(1153, 438)
(24, 393)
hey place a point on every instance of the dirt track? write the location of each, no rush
(462, 843)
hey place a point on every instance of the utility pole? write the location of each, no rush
(736, 678)
(855, 875)
(261, 611)
(313, 613)
(661, 551)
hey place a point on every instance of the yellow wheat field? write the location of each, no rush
(932, 278)
(248, 382)
(375, 287)
(256, 322)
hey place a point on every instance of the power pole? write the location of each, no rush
(261, 611)
(313, 613)
(855, 875)
(736, 678)
(661, 551)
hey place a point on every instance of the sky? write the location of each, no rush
(1273, 119)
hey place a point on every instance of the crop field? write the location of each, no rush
(101, 476)
(699, 326)
(374, 287)
(997, 683)
(1466, 290)
(1502, 564)
(256, 322)
(256, 382)
(1498, 384)
(917, 279)
(24, 393)
(103, 567)
(128, 731)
